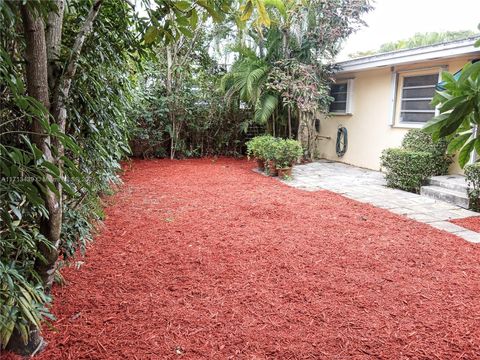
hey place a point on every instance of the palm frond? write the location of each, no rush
(265, 107)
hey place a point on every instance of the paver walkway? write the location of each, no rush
(370, 187)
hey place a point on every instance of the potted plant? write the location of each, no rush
(256, 148)
(269, 154)
(286, 154)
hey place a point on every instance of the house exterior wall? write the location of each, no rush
(369, 127)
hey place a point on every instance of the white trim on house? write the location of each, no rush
(407, 56)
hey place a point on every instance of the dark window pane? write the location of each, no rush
(416, 117)
(340, 97)
(338, 88)
(418, 93)
(420, 80)
(416, 105)
(338, 106)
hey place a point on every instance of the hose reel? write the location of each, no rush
(342, 141)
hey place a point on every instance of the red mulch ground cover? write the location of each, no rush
(472, 223)
(206, 259)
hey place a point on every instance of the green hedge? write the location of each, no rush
(418, 140)
(419, 158)
(472, 173)
(407, 169)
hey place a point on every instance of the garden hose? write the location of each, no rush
(342, 141)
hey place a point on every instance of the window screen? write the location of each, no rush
(339, 92)
(417, 93)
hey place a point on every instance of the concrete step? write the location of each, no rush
(452, 182)
(458, 198)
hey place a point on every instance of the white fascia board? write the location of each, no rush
(408, 56)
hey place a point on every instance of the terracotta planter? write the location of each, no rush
(272, 168)
(285, 172)
(261, 164)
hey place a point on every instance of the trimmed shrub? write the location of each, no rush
(407, 169)
(419, 140)
(472, 173)
(419, 158)
(287, 152)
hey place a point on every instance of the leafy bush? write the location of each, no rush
(419, 158)
(419, 140)
(261, 147)
(472, 173)
(287, 152)
(407, 169)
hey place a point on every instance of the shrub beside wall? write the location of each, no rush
(420, 157)
(472, 173)
(407, 169)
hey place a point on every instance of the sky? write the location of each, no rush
(400, 19)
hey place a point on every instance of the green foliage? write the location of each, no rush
(424, 39)
(22, 301)
(284, 152)
(204, 123)
(260, 147)
(287, 152)
(285, 69)
(406, 169)
(472, 174)
(419, 158)
(459, 112)
(417, 40)
(95, 141)
(170, 20)
(419, 140)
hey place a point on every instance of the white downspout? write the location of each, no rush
(473, 155)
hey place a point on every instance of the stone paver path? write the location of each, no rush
(369, 187)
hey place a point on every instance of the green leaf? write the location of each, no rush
(263, 14)
(247, 11)
(464, 154)
(53, 168)
(182, 20)
(194, 19)
(151, 35)
(452, 103)
(185, 31)
(457, 143)
(182, 5)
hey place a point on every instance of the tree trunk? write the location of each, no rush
(37, 86)
(53, 43)
(42, 70)
(171, 111)
(289, 122)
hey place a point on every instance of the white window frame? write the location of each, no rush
(397, 82)
(349, 99)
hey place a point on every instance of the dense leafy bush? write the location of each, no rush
(419, 158)
(94, 140)
(261, 147)
(419, 140)
(287, 151)
(472, 173)
(407, 169)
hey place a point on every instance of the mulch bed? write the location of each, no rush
(205, 259)
(471, 223)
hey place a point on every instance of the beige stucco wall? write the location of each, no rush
(369, 129)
